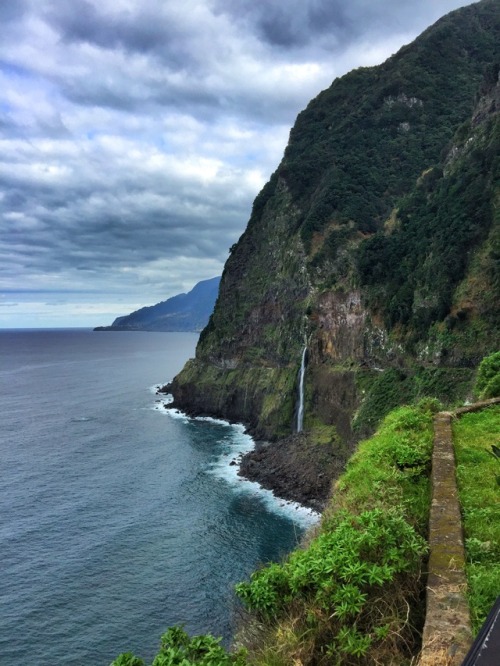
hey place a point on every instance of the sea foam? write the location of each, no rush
(227, 465)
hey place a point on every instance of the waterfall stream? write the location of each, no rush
(300, 411)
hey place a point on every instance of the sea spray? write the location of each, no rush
(300, 411)
(233, 446)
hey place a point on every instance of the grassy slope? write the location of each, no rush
(478, 473)
(354, 594)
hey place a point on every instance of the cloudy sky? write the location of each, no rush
(136, 133)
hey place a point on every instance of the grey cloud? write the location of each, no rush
(289, 25)
(10, 128)
(132, 144)
(81, 21)
(14, 199)
(12, 11)
(249, 99)
(6, 123)
(148, 30)
(53, 128)
(181, 96)
(182, 58)
(330, 24)
(125, 226)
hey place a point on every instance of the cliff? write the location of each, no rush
(375, 243)
(184, 312)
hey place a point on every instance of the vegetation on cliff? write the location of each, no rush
(354, 590)
(360, 145)
(412, 270)
(375, 242)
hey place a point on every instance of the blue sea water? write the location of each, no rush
(118, 518)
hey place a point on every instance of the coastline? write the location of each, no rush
(237, 466)
(294, 469)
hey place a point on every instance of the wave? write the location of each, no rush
(227, 465)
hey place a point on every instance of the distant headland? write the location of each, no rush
(184, 312)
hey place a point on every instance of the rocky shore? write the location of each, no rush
(294, 468)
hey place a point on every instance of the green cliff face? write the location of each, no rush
(375, 242)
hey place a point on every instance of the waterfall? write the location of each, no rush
(300, 412)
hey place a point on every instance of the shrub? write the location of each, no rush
(488, 377)
(339, 567)
(127, 659)
(178, 649)
(336, 580)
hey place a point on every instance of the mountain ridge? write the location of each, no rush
(182, 312)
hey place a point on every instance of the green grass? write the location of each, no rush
(478, 474)
(354, 593)
(392, 467)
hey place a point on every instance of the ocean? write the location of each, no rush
(118, 517)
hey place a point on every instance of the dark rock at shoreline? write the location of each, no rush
(294, 469)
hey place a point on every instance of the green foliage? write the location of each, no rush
(488, 377)
(360, 145)
(343, 596)
(411, 274)
(448, 385)
(340, 574)
(263, 197)
(349, 641)
(386, 390)
(479, 494)
(127, 659)
(178, 649)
